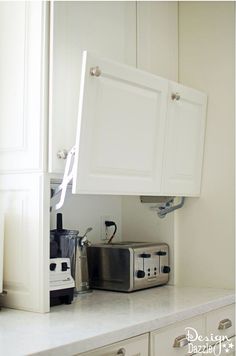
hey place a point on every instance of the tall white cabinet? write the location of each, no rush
(24, 203)
(22, 86)
(24, 188)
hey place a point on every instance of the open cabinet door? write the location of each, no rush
(184, 141)
(120, 132)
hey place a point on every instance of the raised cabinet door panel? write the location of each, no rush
(184, 141)
(120, 134)
(22, 47)
(26, 241)
(136, 346)
(107, 28)
(157, 38)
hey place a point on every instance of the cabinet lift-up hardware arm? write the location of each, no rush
(67, 178)
(164, 206)
(168, 207)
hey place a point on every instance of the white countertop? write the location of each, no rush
(101, 318)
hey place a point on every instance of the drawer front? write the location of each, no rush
(225, 348)
(221, 322)
(136, 346)
(162, 341)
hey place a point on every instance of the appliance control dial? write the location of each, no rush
(166, 269)
(64, 266)
(140, 274)
(53, 266)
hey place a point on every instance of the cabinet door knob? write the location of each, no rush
(181, 341)
(95, 71)
(121, 352)
(224, 324)
(175, 96)
(62, 154)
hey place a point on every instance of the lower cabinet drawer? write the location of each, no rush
(225, 348)
(136, 346)
(173, 340)
(221, 322)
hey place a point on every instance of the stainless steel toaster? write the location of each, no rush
(128, 266)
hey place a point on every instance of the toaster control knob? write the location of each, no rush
(161, 253)
(140, 274)
(53, 266)
(166, 269)
(145, 255)
(64, 266)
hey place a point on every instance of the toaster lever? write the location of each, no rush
(161, 253)
(145, 255)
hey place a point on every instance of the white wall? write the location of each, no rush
(205, 226)
(83, 211)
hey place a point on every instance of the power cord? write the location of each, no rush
(108, 224)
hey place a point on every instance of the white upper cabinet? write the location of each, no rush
(184, 141)
(137, 133)
(132, 138)
(22, 59)
(157, 38)
(121, 124)
(105, 27)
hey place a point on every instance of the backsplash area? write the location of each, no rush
(83, 211)
(135, 221)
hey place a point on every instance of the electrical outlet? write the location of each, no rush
(106, 232)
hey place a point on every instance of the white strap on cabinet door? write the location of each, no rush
(67, 178)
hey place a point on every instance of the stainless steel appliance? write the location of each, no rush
(80, 264)
(128, 266)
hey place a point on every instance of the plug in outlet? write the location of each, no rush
(106, 231)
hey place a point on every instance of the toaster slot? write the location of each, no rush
(151, 266)
(146, 265)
